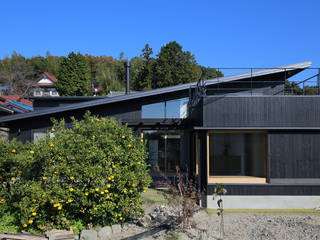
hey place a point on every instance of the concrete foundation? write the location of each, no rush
(266, 202)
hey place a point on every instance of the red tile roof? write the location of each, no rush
(51, 77)
(17, 98)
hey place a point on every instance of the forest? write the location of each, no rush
(79, 73)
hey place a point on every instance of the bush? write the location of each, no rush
(90, 174)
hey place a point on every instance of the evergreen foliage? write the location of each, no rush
(175, 66)
(74, 76)
(77, 74)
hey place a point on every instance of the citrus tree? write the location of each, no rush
(92, 173)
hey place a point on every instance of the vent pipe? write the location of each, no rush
(128, 77)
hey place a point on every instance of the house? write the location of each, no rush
(45, 86)
(243, 130)
(14, 104)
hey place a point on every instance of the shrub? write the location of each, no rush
(90, 174)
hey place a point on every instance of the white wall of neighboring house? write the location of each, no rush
(45, 90)
(45, 80)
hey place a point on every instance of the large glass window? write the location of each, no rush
(169, 109)
(164, 148)
(237, 154)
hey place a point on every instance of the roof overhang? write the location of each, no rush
(293, 69)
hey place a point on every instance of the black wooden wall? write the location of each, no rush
(294, 155)
(262, 111)
(22, 130)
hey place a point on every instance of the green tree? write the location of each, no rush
(74, 76)
(209, 73)
(137, 64)
(108, 78)
(93, 173)
(145, 76)
(52, 63)
(175, 66)
(39, 65)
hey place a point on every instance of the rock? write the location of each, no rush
(144, 221)
(154, 215)
(116, 228)
(105, 233)
(56, 234)
(88, 235)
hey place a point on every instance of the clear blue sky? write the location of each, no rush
(230, 33)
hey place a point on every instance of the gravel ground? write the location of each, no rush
(249, 226)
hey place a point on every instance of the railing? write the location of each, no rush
(306, 82)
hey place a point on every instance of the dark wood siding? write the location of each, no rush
(268, 189)
(22, 130)
(263, 111)
(294, 154)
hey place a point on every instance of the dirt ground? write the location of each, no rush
(255, 226)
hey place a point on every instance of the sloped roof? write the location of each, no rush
(51, 77)
(293, 68)
(16, 98)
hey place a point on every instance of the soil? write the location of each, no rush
(255, 226)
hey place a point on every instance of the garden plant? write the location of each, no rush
(92, 173)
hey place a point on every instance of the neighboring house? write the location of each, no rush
(45, 86)
(14, 104)
(4, 90)
(240, 130)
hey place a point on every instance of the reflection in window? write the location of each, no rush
(38, 135)
(237, 154)
(164, 147)
(155, 110)
(169, 109)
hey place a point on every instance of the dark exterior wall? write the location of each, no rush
(263, 111)
(294, 155)
(196, 113)
(41, 103)
(23, 130)
(262, 85)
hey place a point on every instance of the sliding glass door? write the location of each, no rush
(164, 148)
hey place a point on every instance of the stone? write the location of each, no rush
(56, 234)
(105, 233)
(88, 235)
(116, 228)
(144, 221)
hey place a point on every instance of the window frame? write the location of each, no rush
(238, 179)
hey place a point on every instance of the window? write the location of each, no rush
(237, 157)
(156, 110)
(37, 135)
(164, 147)
(41, 134)
(169, 109)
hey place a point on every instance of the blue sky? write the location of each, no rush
(233, 33)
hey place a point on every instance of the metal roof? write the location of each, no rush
(155, 92)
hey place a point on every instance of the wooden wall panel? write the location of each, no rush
(294, 154)
(262, 111)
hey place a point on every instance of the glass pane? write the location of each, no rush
(155, 110)
(38, 135)
(177, 108)
(236, 154)
(164, 147)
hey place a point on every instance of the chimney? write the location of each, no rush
(128, 77)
